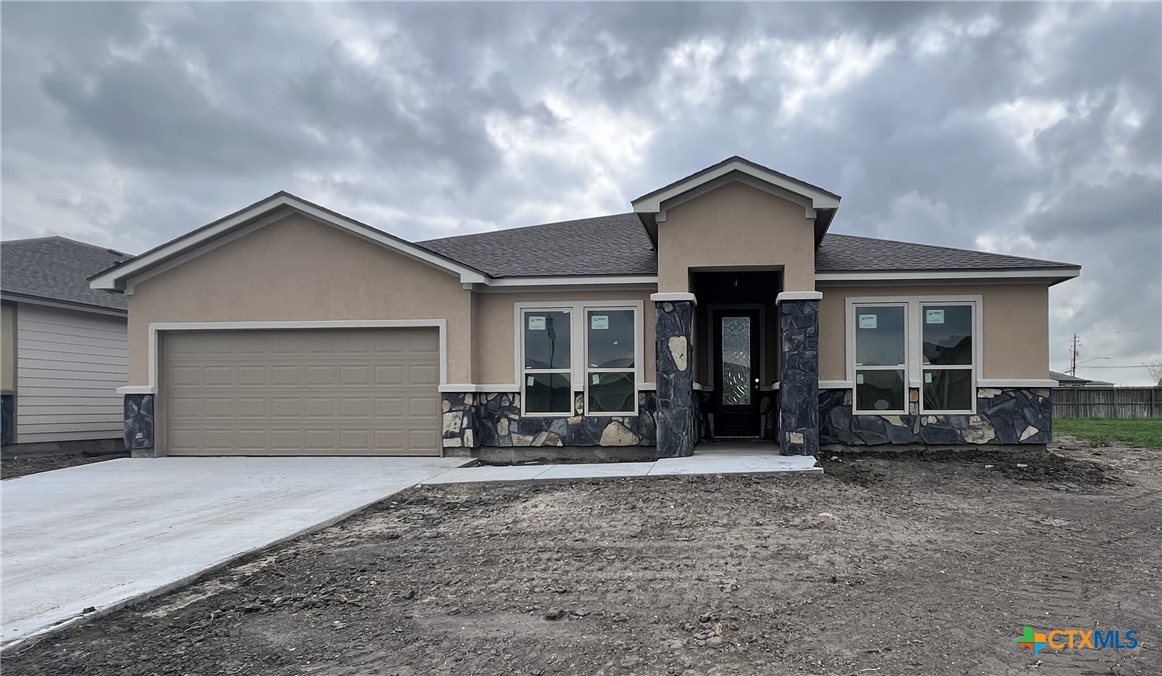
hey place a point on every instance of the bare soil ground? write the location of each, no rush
(908, 564)
(12, 467)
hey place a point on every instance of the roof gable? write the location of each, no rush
(122, 276)
(819, 204)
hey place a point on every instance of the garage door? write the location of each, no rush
(301, 392)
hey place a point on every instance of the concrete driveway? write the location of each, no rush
(99, 536)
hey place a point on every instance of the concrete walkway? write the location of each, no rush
(102, 535)
(708, 459)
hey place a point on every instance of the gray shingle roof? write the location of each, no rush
(848, 253)
(618, 245)
(606, 245)
(56, 268)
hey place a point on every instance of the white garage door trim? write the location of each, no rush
(158, 327)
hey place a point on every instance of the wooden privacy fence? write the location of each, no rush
(1107, 402)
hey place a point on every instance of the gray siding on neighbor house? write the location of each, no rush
(68, 368)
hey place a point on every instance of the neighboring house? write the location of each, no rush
(721, 307)
(1066, 380)
(63, 344)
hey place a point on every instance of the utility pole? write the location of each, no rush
(1073, 357)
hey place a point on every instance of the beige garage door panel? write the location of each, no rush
(308, 392)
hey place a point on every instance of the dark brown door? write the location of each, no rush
(736, 372)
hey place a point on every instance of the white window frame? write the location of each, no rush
(856, 368)
(524, 373)
(913, 342)
(579, 350)
(948, 367)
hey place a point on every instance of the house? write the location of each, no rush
(720, 307)
(1066, 380)
(63, 346)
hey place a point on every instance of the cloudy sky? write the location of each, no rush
(1033, 129)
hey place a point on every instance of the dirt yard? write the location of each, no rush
(12, 467)
(884, 566)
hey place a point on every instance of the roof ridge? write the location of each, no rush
(523, 227)
(951, 248)
(62, 238)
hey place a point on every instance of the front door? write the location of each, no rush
(736, 373)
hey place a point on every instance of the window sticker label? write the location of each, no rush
(536, 323)
(531, 381)
(934, 316)
(867, 321)
(596, 379)
(599, 322)
(859, 379)
(928, 376)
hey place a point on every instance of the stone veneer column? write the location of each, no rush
(798, 431)
(139, 431)
(677, 409)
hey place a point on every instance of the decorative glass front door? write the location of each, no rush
(736, 377)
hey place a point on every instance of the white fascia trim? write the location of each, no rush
(157, 327)
(653, 204)
(90, 309)
(110, 279)
(1023, 273)
(522, 283)
(798, 295)
(836, 384)
(673, 298)
(136, 389)
(1017, 382)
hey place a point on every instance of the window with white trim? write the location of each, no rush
(547, 385)
(881, 348)
(587, 347)
(610, 361)
(929, 343)
(948, 361)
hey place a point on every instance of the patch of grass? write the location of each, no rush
(1139, 433)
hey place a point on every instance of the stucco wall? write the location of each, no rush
(495, 323)
(736, 226)
(300, 270)
(8, 347)
(1015, 325)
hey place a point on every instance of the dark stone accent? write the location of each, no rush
(493, 420)
(1003, 417)
(678, 408)
(138, 421)
(798, 428)
(7, 419)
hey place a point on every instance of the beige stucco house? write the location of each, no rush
(720, 307)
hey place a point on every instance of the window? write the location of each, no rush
(880, 363)
(947, 358)
(605, 364)
(548, 382)
(610, 369)
(925, 343)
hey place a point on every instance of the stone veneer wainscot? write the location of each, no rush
(1004, 416)
(472, 420)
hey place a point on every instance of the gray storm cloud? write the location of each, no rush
(1033, 129)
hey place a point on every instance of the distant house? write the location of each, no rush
(63, 344)
(1066, 380)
